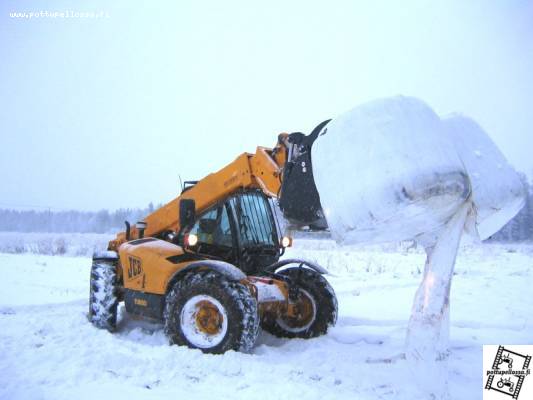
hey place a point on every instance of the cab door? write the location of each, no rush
(256, 232)
(214, 230)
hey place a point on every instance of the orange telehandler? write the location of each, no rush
(207, 263)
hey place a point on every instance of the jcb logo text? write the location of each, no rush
(135, 268)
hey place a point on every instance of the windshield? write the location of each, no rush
(254, 219)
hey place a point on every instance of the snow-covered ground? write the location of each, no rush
(52, 244)
(48, 350)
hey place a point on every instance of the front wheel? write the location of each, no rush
(103, 296)
(313, 310)
(207, 311)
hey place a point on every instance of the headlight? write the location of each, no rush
(191, 240)
(286, 241)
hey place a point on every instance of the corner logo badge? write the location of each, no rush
(135, 268)
(506, 371)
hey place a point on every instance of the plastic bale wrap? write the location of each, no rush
(497, 192)
(386, 171)
(392, 170)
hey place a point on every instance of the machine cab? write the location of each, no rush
(242, 230)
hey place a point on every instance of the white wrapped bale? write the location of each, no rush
(392, 170)
(385, 171)
(497, 192)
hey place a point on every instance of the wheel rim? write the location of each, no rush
(305, 317)
(203, 321)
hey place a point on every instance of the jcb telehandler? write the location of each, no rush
(207, 263)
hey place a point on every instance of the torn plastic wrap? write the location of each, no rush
(497, 192)
(392, 170)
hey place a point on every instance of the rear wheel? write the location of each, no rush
(211, 313)
(313, 310)
(103, 299)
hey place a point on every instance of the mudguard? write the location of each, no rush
(225, 269)
(302, 263)
(105, 256)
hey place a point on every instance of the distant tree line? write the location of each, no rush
(102, 221)
(520, 228)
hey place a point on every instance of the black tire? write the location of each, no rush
(312, 285)
(103, 296)
(233, 299)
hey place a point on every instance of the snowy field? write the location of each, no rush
(48, 350)
(53, 244)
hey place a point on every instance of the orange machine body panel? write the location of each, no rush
(147, 269)
(146, 266)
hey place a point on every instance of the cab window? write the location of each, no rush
(255, 223)
(213, 230)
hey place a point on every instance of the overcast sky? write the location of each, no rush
(108, 112)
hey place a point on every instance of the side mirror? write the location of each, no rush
(187, 212)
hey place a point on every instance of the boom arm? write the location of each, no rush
(284, 172)
(261, 170)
